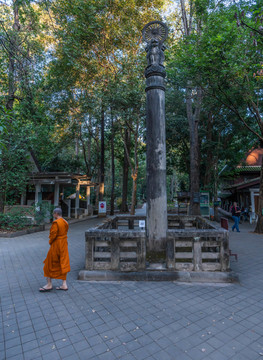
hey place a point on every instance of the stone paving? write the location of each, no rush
(127, 320)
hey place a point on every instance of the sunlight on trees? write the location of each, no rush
(72, 91)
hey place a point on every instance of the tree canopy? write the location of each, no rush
(72, 91)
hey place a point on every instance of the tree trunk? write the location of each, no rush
(11, 87)
(112, 168)
(209, 156)
(134, 191)
(11, 82)
(124, 206)
(216, 176)
(85, 155)
(77, 147)
(194, 170)
(2, 201)
(102, 156)
(135, 169)
(89, 153)
(216, 216)
(193, 116)
(97, 196)
(12, 53)
(259, 226)
(172, 186)
(193, 120)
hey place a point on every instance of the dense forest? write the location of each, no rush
(72, 92)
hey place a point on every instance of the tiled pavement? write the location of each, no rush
(127, 321)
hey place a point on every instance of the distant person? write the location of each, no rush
(57, 261)
(246, 214)
(230, 207)
(235, 216)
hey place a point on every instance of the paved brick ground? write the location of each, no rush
(127, 321)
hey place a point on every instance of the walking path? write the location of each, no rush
(127, 320)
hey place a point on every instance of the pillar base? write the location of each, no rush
(159, 275)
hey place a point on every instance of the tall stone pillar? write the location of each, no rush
(23, 199)
(155, 34)
(88, 196)
(56, 195)
(77, 201)
(38, 193)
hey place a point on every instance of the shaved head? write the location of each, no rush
(57, 211)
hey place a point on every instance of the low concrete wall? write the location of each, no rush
(23, 232)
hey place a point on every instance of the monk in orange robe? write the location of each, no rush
(57, 263)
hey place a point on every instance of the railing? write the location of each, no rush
(193, 244)
(115, 250)
(188, 222)
(174, 222)
(198, 250)
(122, 221)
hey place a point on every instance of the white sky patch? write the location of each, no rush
(170, 7)
(7, 2)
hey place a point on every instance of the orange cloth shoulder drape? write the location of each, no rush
(57, 263)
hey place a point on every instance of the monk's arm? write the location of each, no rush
(53, 233)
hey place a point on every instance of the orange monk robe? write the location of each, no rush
(57, 261)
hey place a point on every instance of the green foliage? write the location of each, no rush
(43, 212)
(14, 163)
(223, 59)
(76, 58)
(4, 119)
(119, 202)
(15, 220)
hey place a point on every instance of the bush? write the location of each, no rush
(43, 211)
(18, 217)
(15, 221)
(119, 202)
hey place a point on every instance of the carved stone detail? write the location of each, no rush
(155, 70)
(154, 34)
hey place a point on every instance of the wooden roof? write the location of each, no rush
(50, 178)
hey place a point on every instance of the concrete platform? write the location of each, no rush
(153, 275)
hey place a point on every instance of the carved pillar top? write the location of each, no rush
(154, 34)
(155, 30)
